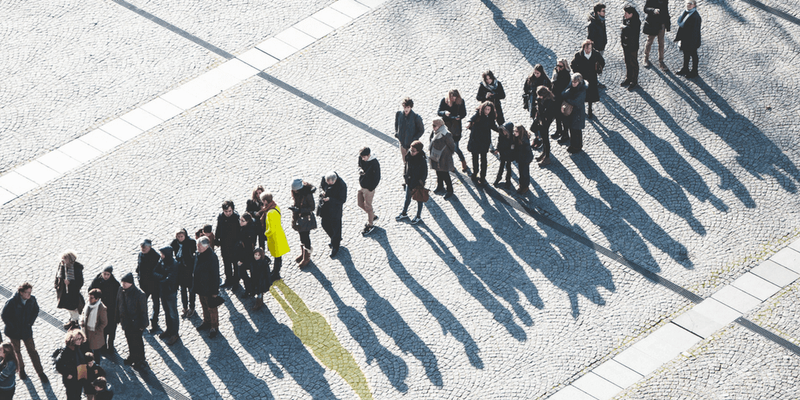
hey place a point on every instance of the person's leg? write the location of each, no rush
(16, 343)
(685, 69)
(524, 177)
(368, 196)
(407, 200)
(276, 271)
(509, 172)
(337, 232)
(360, 199)
(576, 141)
(484, 164)
(419, 209)
(475, 168)
(206, 313)
(403, 152)
(696, 60)
(156, 310)
(661, 46)
(111, 336)
(185, 297)
(634, 67)
(214, 317)
(647, 46)
(74, 389)
(448, 182)
(499, 172)
(305, 239)
(138, 342)
(459, 152)
(30, 346)
(439, 182)
(172, 313)
(326, 226)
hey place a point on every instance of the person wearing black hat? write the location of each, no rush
(109, 286)
(148, 260)
(102, 391)
(166, 273)
(132, 309)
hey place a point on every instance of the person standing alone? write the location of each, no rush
(19, 314)
(629, 38)
(656, 23)
(369, 170)
(408, 126)
(689, 36)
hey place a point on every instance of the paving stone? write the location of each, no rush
(755, 286)
(637, 360)
(80, 151)
(258, 59)
(162, 108)
(351, 8)
(141, 119)
(295, 38)
(789, 258)
(571, 393)
(707, 317)
(795, 245)
(596, 386)
(16, 183)
(314, 27)
(667, 342)
(775, 273)
(100, 140)
(6, 196)
(58, 161)
(736, 299)
(617, 373)
(37, 172)
(121, 130)
(331, 17)
(276, 48)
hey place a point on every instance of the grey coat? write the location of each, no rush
(448, 147)
(576, 96)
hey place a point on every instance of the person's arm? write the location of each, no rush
(419, 128)
(442, 112)
(102, 319)
(396, 125)
(574, 63)
(34, 309)
(481, 93)
(500, 94)
(142, 310)
(9, 370)
(462, 110)
(449, 142)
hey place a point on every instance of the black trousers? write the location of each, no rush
(333, 227)
(524, 175)
(687, 54)
(543, 133)
(575, 141)
(504, 164)
(305, 239)
(443, 177)
(631, 65)
(156, 305)
(74, 388)
(187, 297)
(483, 164)
(276, 270)
(135, 344)
(229, 263)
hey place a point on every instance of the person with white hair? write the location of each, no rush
(333, 194)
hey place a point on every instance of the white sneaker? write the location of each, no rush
(401, 217)
(416, 220)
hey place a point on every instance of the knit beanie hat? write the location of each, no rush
(128, 278)
(109, 269)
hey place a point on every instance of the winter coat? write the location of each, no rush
(629, 36)
(597, 31)
(499, 94)
(529, 91)
(576, 95)
(448, 147)
(588, 68)
(247, 234)
(67, 363)
(8, 376)
(244, 254)
(132, 308)
(337, 194)
(227, 232)
(453, 122)
(186, 260)
(303, 204)
(206, 273)
(560, 83)
(260, 274)
(70, 298)
(146, 265)
(372, 172)
(654, 22)
(109, 288)
(523, 154)
(408, 128)
(689, 33)
(416, 170)
(276, 239)
(480, 137)
(546, 111)
(19, 318)
(166, 273)
(504, 147)
(92, 373)
(96, 338)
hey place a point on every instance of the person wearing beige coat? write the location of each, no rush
(94, 321)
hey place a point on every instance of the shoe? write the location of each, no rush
(496, 183)
(374, 218)
(663, 66)
(692, 75)
(306, 257)
(625, 83)
(522, 190)
(172, 340)
(190, 313)
(154, 329)
(416, 220)
(258, 304)
(563, 142)
(163, 335)
(449, 196)
(368, 229)
(555, 136)
(298, 258)
(140, 365)
(71, 324)
(334, 251)
(481, 181)
(682, 72)
(632, 87)
(600, 85)
(438, 190)
(184, 312)
(23, 376)
(590, 115)
(43, 379)
(464, 166)
(401, 217)
(128, 361)
(544, 161)
(646, 63)
(212, 333)
(204, 326)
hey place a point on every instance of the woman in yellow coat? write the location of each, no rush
(276, 239)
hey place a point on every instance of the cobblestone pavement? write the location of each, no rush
(695, 181)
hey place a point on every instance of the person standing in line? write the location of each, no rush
(8, 371)
(277, 244)
(147, 263)
(68, 283)
(589, 64)
(416, 172)
(207, 232)
(227, 235)
(19, 314)
(132, 312)
(93, 372)
(656, 23)
(535, 79)
(206, 285)
(575, 95)
(441, 148)
(629, 38)
(166, 273)
(108, 286)
(596, 31)
(184, 248)
(689, 35)
(102, 392)
(408, 126)
(453, 110)
(492, 90)
(333, 192)
(369, 175)
(94, 322)
(244, 251)
(505, 151)
(260, 276)
(71, 363)
(303, 218)
(561, 80)
(254, 208)
(524, 156)
(481, 126)
(545, 112)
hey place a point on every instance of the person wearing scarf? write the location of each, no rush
(442, 146)
(491, 89)
(689, 35)
(68, 284)
(589, 63)
(95, 319)
(276, 238)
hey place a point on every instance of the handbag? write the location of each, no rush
(420, 194)
(566, 109)
(436, 154)
(305, 223)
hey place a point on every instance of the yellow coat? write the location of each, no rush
(276, 239)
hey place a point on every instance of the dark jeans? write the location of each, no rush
(7, 394)
(333, 227)
(135, 344)
(524, 175)
(687, 54)
(170, 304)
(229, 261)
(507, 166)
(32, 353)
(458, 151)
(443, 178)
(276, 270)
(110, 336)
(543, 133)
(483, 164)
(305, 239)
(187, 297)
(408, 202)
(631, 65)
(575, 141)
(74, 388)
(561, 125)
(156, 306)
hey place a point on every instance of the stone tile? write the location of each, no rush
(372, 3)
(276, 48)
(59, 161)
(6, 196)
(775, 273)
(162, 108)
(351, 8)
(795, 245)
(80, 151)
(121, 130)
(596, 386)
(142, 119)
(16, 183)
(637, 361)
(570, 393)
(617, 373)
(707, 317)
(221, 78)
(736, 299)
(37, 172)
(331, 17)
(100, 140)
(295, 38)
(257, 59)
(667, 342)
(314, 27)
(192, 93)
(789, 258)
(756, 286)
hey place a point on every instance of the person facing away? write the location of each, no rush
(206, 285)
(167, 275)
(227, 235)
(68, 284)
(132, 312)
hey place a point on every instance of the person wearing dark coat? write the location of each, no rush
(546, 111)
(505, 151)
(244, 251)
(689, 37)
(333, 192)
(561, 80)
(109, 286)
(167, 275)
(453, 110)
(656, 23)
(68, 284)
(415, 174)
(442, 147)
(523, 155)
(303, 209)
(481, 126)
(537, 78)
(147, 263)
(629, 38)
(19, 314)
(369, 176)
(260, 276)
(575, 95)
(589, 64)
(491, 90)
(254, 208)
(184, 248)
(227, 236)
(408, 126)
(69, 360)
(102, 391)
(8, 370)
(596, 31)
(132, 313)
(206, 284)
(93, 372)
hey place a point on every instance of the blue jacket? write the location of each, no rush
(19, 318)
(576, 95)
(8, 376)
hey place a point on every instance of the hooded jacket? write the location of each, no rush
(597, 31)
(303, 204)
(19, 318)
(132, 308)
(372, 172)
(109, 288)
(166, 273)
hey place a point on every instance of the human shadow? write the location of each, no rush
(772, 10)
(186, 368)
(48, 390)
(383, 314)
(521, 37)
(393, 366)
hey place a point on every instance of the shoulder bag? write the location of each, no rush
(566, 109)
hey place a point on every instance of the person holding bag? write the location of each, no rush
(71, 364)
(303, 219)
(442, 147)
(68, 283)
(416, 172)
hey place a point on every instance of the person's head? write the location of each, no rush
(690, 4)
(68, 257)
(544, 92)
(108, 272)
(100, 384)
(297, 184)
(454, 97)
(521, 132)
(538, 70)
(437, 123)
(181, 235)
(227, 208)
(203, 243)
(365, 153)
(258, 253)
(74, 338)
(488, 77)
(508, 129)
(256, 196)
(89, 358)
(416, 147)
(562, 65)
(266, 198)
(25, 290)
(207, 228)
(146, 245)
(577, 79)
(9, 354)
(587, 46)
(629, 9)
(408, 104)
(331, 178)
(95, 295)
(600, 9)
(245, 219)
(487, 109)
(127, 281)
